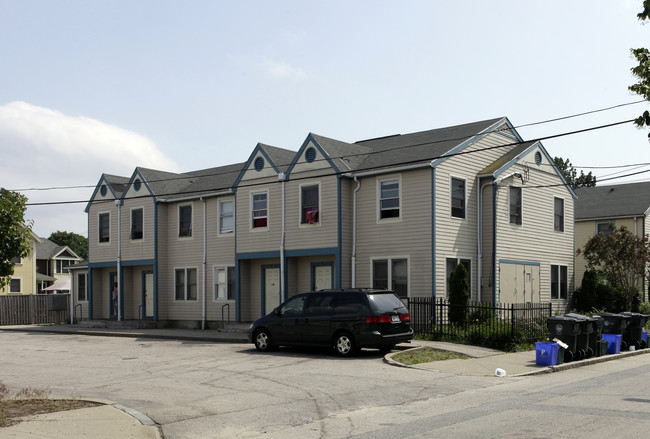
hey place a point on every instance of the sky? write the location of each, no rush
(90, 87)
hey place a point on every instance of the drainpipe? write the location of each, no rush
(118, 203)
(282, 178)
(354, 233)
(205, 257)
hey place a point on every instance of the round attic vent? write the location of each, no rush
(259, 164)
(538, 158)
(137, 185)
(103, 190)
(310, 154)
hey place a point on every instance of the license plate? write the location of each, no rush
(394, 319)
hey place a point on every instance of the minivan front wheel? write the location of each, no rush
(263, 340)
(344, 344)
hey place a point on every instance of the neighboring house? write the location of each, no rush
(24, 279)
(52, 261)
(602, 207)
(397, 212)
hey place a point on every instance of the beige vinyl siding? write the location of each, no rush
(457, 238)
(535, 240)
(264, 239)
(409, 237)
(220, 253)
(137, 249)
(104, 251)
(347, 190)
(320, 162)
(102, 292)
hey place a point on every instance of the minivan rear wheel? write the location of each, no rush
(344, 344)
(263, 341)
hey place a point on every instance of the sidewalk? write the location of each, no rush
(114, 420)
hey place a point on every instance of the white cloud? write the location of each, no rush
(282, 70)
(44, 148)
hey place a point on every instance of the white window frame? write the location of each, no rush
(58, 265)
(451, 198)
(387, 179)
(20, 289)
(186, 285)
(251, 211)
(216, 291)
(131, 224)
(389, 260)
(220, 217)
(99, 228)
(191, 206)
(319, 210)
(85, 283)
(555, 214)
(521, 206)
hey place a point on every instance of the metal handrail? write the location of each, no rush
(74, 312)
(223, 321)
(139, 315)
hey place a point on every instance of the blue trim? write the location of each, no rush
(258, 148)
(494, 243)
(99, 184)
(510, 261)
(312, 273)
(135, 175)
(312, 252)
(308, 140)
(112, 278)
(237, 292)
(90, 290)
(339, 244)
(257, 255)
(433, 232)
(263, 293)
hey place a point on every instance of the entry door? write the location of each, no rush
(322, 277)
(148, 295)
(271, 289)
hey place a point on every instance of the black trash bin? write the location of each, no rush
(633, 334)
(615, 324)
(590, 334)
(566, 329)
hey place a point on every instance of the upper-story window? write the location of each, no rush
(558, 222)
(61, 265)
(389, 195)
(605, 227)
(309, 206)
(226, 219)
(515, 205)
(136, 223)
(185, 220)
(104, 227)
(458, 201)
(259, 211)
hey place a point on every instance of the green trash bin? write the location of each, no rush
(566, 329)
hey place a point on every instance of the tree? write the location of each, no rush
(15, 232)
(76, 242)
(571, 175)
(622, 258)
(458, 295)
(642, 71)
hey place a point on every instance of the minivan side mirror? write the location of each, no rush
(276, 310)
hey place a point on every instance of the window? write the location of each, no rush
(391, 274)
(104, 227)
(61, 264)
(185, 283)
(457, 198)
(559, 281)
(259, 211)
(559, 215)
(452, 263)
(605, 227)
(81, 287)
(185, 221)
(226, 211)
(224, 283)
(136, 223)
(16, 261)
(15, 285)
(309, 204)
(389, 198)
(515, 205)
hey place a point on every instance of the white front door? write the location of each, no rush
(322, 277)
(148, 295)
(271, 289)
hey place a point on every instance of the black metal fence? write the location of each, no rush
(481, 320)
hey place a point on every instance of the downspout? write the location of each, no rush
(204, 262)
(118, 203)
(354, 233)
(282, 177)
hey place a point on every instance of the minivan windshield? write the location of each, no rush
(385, 302)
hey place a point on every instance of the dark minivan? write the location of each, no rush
(347, 319)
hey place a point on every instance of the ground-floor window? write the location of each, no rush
(224, 283)
(391, 274)
(185, 284)
(15, 286)
(559, 281)
(451, 264)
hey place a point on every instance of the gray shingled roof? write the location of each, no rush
(281, 157)
(47, 249)
(117, 183)
(616, 201)
(346, 156)
(506, 158)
